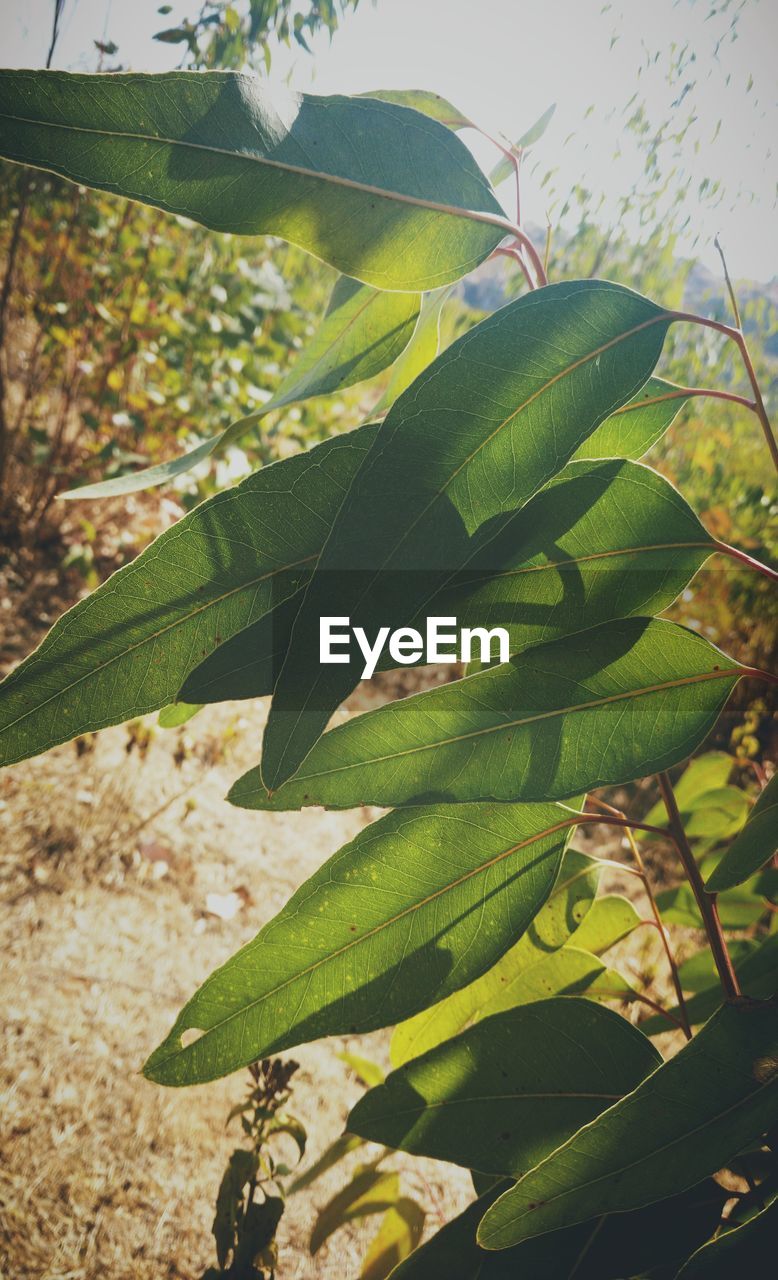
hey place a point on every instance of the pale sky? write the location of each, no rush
(502, 62)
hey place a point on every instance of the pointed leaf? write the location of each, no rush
(362, 332)
(504, 168)
(420, 351)
(607, 1248)
(681, 1124)
(706, 772)
(428, 103)
(507, 1092)
(390, 924)
(598, 708)
(740, 1252)
(567, 972)
(756, 844)
(631, 430)
(379, 191)
(126, 649)
(480, 431)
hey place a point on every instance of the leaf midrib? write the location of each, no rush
(515, 724)
(436, 206)
(355, 942)
(208, 604)
(652, 1155)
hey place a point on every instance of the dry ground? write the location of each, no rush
(106, 864)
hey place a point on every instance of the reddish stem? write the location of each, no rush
(705, 901)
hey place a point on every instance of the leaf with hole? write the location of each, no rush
(390, 924)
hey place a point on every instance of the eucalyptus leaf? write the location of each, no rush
(379, 191)
(363, 331)
(602, 707)
(508, 1091)
(756, 844)
(126, 649)
(687, 1119)
(742, 1251)
(632, 430)
(504, 167)
(392, 923)
(485, 426)
(606, 1248)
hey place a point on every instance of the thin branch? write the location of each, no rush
(742, 557)
(705, 901)
(732, 297)
(509, 251)
(643, 875)
(738, 337)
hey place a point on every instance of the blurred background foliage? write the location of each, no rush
(126, 336)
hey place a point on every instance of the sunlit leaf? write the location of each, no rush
(491, 421)
(756, 844)
(381, 192)
(604, 706)
(390, 924)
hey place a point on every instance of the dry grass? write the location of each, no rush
(107, 859)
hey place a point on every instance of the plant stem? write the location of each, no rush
(738, 337)
(705, 901)
(509, 251)
(643, 876)
(735, 553)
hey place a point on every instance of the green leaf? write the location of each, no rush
(491, 421)
(631, 431)
(757, 970)
(717, 815)
(740, 1252)
(607, 1248)
(371, 1191)
(507, 1092)
(681, 1124)
(178, 713)
(381, 192)
(698, 973)
(756, 844)
(390, 924)
(127, 648)
(602, 707)
(335, 1152)
(608, 920)
(362, 332)
(397, 1237)
(428, 103)
(588, 544)
(504, 168)
(559, 917)
(567, 972)
(420, 351)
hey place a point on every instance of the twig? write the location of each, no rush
(705, 901)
